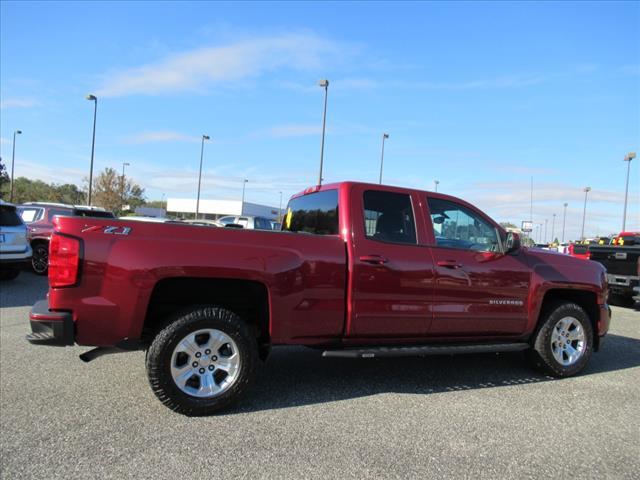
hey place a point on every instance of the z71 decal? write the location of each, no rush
(117, 230)
(110, 230)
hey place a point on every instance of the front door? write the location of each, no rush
(392, 275)
(479, 290)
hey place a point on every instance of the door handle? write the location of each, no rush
(374, 259)
(449, 264)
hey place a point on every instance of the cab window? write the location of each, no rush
(315, 213)
(456, 226)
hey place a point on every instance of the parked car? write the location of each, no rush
(359, 271)
(626, 238)
(579, 250)
(202, 222)
(15, 251)
(622, 263)
(247, 221)
(39, 219)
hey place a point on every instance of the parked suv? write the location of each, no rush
(14, 247)
(39, 219)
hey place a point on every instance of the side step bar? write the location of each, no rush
(424, 350)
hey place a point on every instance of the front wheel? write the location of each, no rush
(564, 342)
(202, 362)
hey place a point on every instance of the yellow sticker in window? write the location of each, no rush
(287, 219)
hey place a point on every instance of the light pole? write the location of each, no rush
(204, 137)
(436, 183)
(546, 220)
(162, 202)
(93, 99)
(564, 220)
(324, 84)
(13, 161)
(553, 228)
(280, 209)
(244, 184)
(628, 159)
(384, 137)
(531, 203)
(584, 211)
(124, 164)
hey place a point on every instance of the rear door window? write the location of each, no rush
(29, 214)
(388, 217)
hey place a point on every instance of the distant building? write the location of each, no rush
(213, 209)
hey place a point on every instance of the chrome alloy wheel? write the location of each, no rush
(205, 363)
(568, 341)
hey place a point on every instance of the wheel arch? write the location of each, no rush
(588, 300)
(247, 298)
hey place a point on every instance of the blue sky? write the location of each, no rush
(480, 96)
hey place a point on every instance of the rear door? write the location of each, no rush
(479, 290)
(392, 276)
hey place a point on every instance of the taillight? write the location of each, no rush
(64, 260)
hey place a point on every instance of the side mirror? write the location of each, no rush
(513, 243)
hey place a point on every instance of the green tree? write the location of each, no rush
(110, 192)
(4, 180)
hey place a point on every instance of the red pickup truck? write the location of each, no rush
(358, 270)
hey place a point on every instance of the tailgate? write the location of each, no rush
(617, 260)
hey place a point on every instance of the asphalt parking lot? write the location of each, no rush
(480, 416)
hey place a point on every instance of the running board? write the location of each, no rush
(424, 350)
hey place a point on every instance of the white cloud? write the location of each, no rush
(18, 103)
(202, 67)
(284, 131)
(163, 136)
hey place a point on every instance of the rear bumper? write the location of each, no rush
(50, 328)
(622, 284)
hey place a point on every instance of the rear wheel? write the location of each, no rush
(564, 342)
(203, 361)
(40, 258)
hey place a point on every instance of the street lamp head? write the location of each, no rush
(587, 189)
(246, 181)
(126, 164)
(566, 204)
(630, 156)
(385, 135)
(206, 137)
(19, 132)
(324, 83)
(91, 97)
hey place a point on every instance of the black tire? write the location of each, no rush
(9, 273)
(541, 353)
(40, 258)
(159, 357)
